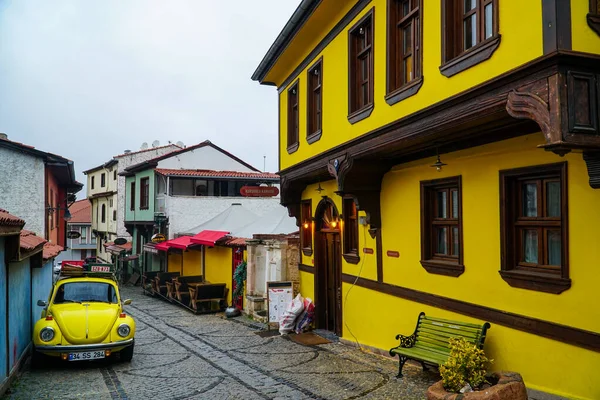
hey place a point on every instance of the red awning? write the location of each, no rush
(179, 243)
(208, 238)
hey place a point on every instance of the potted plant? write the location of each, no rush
(239, 276)
(464, 377)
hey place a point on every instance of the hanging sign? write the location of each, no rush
(158, 238)
(120, 241)
(259, 191)
(73, 235)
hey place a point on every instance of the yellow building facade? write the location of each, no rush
(444, 157)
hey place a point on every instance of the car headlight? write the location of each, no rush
(123, 330)
(47, 334)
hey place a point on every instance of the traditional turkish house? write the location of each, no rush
(447, 159)
(168, 194)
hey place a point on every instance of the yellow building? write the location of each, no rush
(443, 156)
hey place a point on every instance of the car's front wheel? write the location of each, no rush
(127, 353)
(37, 359)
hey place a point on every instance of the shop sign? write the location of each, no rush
(73, 235)
(259, 191)
(100, 268)
(150, 249)
(158, 238)
(120, 241)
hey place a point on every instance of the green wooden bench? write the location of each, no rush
(429, 343)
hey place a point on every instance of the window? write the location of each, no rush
(405, 58)
(360, 90)
(102, 180)
(315, 102)
(350, 231)
(307, 227)
(103, 219)
(144, 193)
(114, 215)
(441, 226)
(534, 228)
(470, 33)
(115, 175)
(293, 119)
(92, 182)
(110, 202)
(83, 231)
(132, 197)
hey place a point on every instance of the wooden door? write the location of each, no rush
(329, 289)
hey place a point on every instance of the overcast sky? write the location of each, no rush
(89, 79)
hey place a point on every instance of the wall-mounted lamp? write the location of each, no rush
(319, 188)
(438, 164)
(306, 224)
(67, 214)
(334, 223)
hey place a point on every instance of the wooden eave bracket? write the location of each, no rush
(593, 21)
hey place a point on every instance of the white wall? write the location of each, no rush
(186, 212)
(203, 158)
(22, 188)
(127, 160)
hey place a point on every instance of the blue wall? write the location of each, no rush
(41, 284)
(3, 310)
(19, 309)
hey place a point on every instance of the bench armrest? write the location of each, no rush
(406, 341)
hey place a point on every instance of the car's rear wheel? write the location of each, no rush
(127, 353)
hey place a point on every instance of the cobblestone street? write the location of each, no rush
(179, 355)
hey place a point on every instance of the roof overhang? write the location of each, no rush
(287, 34)
(208, 237)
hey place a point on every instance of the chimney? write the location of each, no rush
(3, 136)
(126, 151)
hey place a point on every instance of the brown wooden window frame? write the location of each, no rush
(450, 264)
(307, 227)
(132, 196)
(593, 18)
(517, 273)
(360, 109)
(314, 109)
(351, 241)
(144, 193)
(293, 110)
(398, 86)
(455, 58)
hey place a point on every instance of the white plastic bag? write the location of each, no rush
(288, 319)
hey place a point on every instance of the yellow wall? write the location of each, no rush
(192, 263)
(174, 263)
(521, 30)
(218, 267)
(584, 38)
(375, 318)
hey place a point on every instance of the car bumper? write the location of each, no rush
(84, 347)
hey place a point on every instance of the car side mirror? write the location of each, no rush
(42, 303)
(127, 302)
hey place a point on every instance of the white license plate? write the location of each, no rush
(99, 268)
(86, 355)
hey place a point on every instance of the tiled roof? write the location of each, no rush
(51, 250)
(216, 174)
(127, 246)
(81, 212)
(231, 241)
(30, 241)
(148, 149)
(7, 219)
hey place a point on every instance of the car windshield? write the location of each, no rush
(77, 292)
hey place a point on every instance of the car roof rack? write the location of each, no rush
(87, 274)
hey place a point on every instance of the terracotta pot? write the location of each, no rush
(510, 386)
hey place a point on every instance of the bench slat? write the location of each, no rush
(453, 328)
(445, 336)
(428, 343)
(448, 331)
(423, 355)
(453, 323)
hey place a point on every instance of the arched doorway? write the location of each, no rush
(328, 265)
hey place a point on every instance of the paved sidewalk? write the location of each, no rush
(179, 355)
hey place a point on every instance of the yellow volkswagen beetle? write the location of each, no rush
(83, 319)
